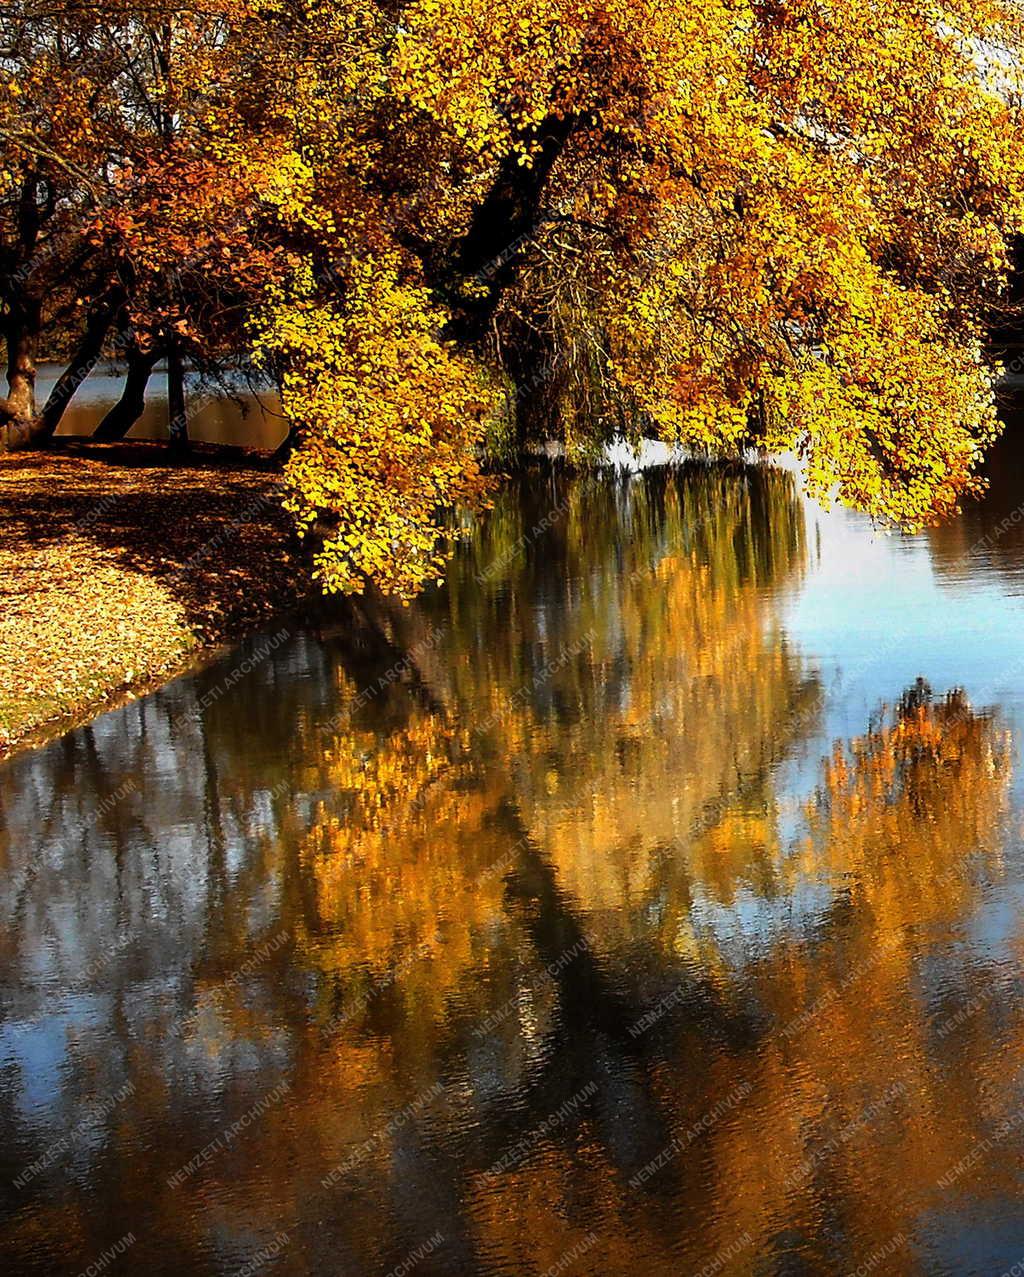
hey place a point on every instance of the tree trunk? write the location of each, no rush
(90, 347)
(129, 408)
(19, 425)
(177, 413)
(530, 362)
(286, 447)
(500, 229)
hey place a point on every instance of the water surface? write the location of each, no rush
(647, 900)
(250, 417)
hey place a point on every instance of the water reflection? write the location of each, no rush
(540, 928)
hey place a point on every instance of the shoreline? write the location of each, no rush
(120, 573)
(39, 734)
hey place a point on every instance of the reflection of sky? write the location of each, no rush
(752, 924)
(872, 610)
(872, 616)
(976, 1235)
(37, 1050)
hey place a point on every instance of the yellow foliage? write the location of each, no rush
(391, 420)
(725, 222)
(752, 222)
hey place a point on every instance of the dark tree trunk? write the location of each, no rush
(286, 447)
(531, 364)
(19, 425)
(501, 227)
(89, 349)
(490, 254)
(129, 408)
(177, 412)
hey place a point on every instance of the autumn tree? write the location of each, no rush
(723, 224)
(444, 229)
(133, 197)
(52, 154)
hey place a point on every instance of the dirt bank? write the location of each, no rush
(117, 570)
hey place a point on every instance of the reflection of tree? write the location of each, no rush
(818, 1031)
(902, 825)
(643, 690)
(615, 815)
(900, 806)
(434, 851)
(838, 1058)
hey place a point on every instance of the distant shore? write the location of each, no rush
(118, 572)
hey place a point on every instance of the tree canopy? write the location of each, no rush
(455, 228)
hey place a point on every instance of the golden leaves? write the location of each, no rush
(392, 419)
(769, 223)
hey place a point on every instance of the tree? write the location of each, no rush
(130, 198)
(50, 127)
(723, 223)
(444, 226)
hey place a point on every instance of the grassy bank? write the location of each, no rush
(117, 570)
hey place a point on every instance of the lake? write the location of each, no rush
(646, 900)
(248, 418)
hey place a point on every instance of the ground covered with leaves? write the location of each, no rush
(116, 569)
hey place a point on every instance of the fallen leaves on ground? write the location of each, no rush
(116, 567)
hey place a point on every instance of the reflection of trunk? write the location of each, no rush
(595, 1046)
(128, 409)
(379, 659)
(177, 418)
(588, 998)
(216, 842)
